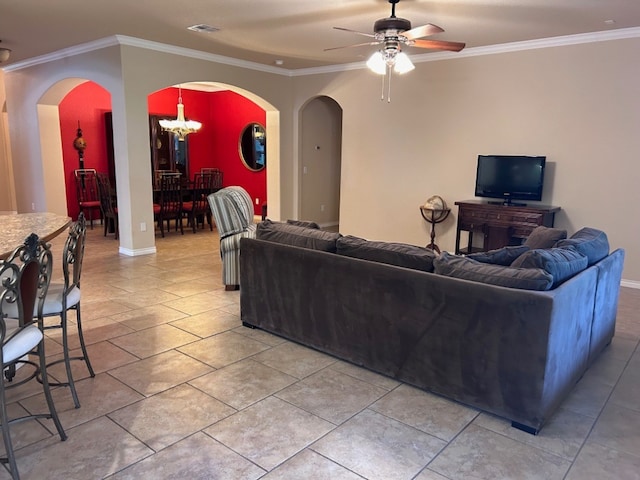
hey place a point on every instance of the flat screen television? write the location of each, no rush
(510, 177)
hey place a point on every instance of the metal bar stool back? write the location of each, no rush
(25, 278)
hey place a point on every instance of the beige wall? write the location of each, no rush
(130, 74)
(319, 161)
(576, 104)
(7, 192)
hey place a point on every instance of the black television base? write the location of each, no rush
(507, 203)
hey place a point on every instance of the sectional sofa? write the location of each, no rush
(509, 340)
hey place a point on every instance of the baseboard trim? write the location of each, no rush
(328, 224)
(136, 253)
(630, 284)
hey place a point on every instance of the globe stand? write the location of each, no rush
(434, 216)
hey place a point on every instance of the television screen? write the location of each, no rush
(510, 177)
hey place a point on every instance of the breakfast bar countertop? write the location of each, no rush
(14, 228)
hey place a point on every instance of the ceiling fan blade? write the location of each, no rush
(423, 31)
(350, 46)
(355, 31)
(439, 45)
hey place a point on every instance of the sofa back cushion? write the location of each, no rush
(560, 263)
(590, 242)
(544, 237)
(297, 236)
(468, 269)
(398, 254)
(304, 223)
(501, 256)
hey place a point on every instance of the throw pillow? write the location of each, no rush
(501, 256)
(560, 263)
(303, 223)
(544, 237)
(297, 236)
(590, 242)
(399, 254)
(468, 269)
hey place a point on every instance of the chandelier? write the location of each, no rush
(180, 127)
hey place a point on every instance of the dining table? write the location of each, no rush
(15, 228)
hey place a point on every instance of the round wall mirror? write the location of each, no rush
(253, 147)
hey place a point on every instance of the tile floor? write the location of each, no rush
(183, 390)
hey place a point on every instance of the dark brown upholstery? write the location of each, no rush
(515, 353)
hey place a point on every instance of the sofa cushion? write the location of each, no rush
(500, 256)
(590, 242)
(304, 223)
(399, 254)
(544, 237)
(468, 269)
(560, 263)
(297, 236)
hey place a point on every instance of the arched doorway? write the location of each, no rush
(320, 161)
(135, 238)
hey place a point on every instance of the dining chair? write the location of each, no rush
(26, 276)
(108, 204)
(157, 177)
(232, 211)
(170, 202)
(87, 192)
(216, 177)
(198, 207)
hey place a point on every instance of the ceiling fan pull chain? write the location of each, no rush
(389, 86)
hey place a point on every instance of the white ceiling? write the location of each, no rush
(295, 31)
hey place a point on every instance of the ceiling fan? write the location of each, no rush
(393, 33)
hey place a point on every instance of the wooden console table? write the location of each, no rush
(499, 225)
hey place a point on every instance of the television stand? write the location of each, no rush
(507, 203)
(499, 225)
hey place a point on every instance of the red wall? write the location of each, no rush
(87, 104)
(223, 116)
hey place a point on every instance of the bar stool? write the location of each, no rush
(64, 296)
(25, 278)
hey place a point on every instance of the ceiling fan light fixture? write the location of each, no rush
(180, 126)
(377, 63)
(5, 53)
(402, 63)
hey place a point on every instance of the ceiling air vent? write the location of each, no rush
(203, 28)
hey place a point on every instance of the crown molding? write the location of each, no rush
(145, 44)
(64, 53)
(188, 52)
(618, 34)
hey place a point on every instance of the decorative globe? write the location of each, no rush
(435, 202)
(438, 207)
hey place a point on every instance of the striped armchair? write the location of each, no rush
(232, 211)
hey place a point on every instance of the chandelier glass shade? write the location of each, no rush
(180, 127)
